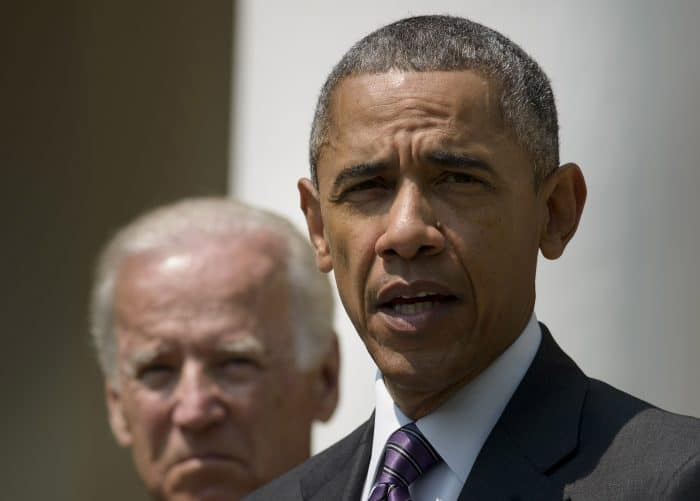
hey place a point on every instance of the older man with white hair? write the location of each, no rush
(214, 332)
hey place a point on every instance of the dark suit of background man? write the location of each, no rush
(435, 181)
(215, 335)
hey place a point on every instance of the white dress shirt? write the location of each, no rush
(460, 426)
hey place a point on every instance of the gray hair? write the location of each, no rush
(446, 43)
(311, 296)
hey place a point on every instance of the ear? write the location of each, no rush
(326, 383)
(117, 418)
(564, 191)
(311, 207)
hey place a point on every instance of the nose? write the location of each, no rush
(412, 229)
(198, 402)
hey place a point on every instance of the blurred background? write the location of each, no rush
(110, 108)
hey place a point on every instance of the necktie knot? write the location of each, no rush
(407, 455)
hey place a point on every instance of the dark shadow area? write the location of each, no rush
(108, 108)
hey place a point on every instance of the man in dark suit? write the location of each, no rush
(435, 182)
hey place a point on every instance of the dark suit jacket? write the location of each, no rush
(561, 436)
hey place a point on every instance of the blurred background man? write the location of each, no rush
(214, 333)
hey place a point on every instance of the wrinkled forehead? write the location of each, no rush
(198, 267)
(457, 94)
(461, 105)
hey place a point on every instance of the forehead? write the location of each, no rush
(237, 263)
(463, 96)
(206, 284)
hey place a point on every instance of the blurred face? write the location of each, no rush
(209, 398)
(428, 215)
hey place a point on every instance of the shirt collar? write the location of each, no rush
(459, 427)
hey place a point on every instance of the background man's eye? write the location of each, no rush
(155, 376)
(239, 363)
(239, 368)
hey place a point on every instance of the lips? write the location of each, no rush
(206, 457)
(415, 298)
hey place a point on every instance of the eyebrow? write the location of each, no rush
(142, 358)
(146, 356)
(457, 160)
(248, 345)
(441, 158)
(358, 171)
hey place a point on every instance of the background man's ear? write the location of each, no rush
(311, 207)
(326, 383)
(565, 195)
(117, 419)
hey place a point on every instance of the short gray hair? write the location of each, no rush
(446, 43)
(311, 296)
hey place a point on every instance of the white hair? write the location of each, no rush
(311, 298)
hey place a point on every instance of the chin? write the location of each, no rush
(421, 372)
(215, 494)
(208, 493)
(209, 482)
(406, 370)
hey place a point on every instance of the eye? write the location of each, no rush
(157, 375)
(239, 367)
(367, 184)
(362, 192)
(458, 178)
(238, 362)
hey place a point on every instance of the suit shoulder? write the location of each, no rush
(322, 465)
(608, 408)
(628, 445)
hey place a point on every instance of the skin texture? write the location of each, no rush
(209, 398)
(423, 190)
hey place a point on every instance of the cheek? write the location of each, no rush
(352, 249)
(498, 251)
(148, 421)
(252, 405)
(349, 234)
(339, 242)
(145, 410)
(267, 396)
(246, 403)
(341, 257)
(477, 238)
(482, 245)
(278, 411)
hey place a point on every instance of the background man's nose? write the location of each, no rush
(198, 402)
(411, 229)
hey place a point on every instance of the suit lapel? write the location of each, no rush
(343, 478)
(538, 429)
(503, 473)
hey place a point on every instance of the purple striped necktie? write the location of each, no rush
(407, 455)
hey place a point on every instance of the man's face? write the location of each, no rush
(209, 398)
(430, 219)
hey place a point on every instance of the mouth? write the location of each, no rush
(207, 475)
(206, 458)
(411, 306)
(422, 302)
